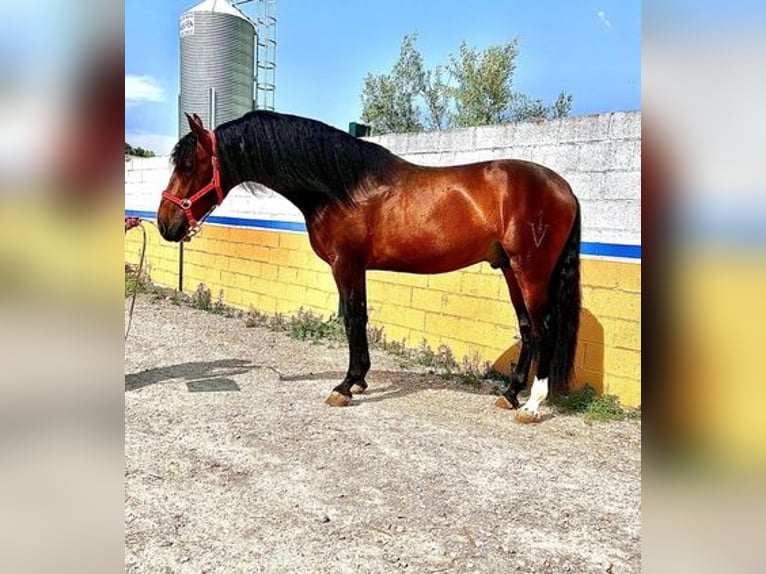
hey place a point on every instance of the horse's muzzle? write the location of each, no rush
(174, 231)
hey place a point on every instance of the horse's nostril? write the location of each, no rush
(161, 227)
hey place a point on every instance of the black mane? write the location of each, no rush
(307, 161)
(183, 152)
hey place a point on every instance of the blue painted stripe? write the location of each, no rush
(610, 250)
(234, 221)
(259, 223)
(586, 247)
(142, 214)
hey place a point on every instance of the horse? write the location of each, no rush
(367, 208)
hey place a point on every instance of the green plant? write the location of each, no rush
(256, 318)
(576, 401)
(134, 284)
(279, 322)
(220, 308)
(586, 401)
(308, 326)
(396, 348)
(442, 359)
(605, 408)
(375, 336)
(201, 298)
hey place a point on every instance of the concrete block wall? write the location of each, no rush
(254, 252)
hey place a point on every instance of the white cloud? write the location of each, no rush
(604, 18)
(139, 89)
(160, 144)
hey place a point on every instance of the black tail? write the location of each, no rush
(564, 314)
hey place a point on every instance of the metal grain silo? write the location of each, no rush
(217, 63)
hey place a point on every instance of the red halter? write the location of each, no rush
(187, 203)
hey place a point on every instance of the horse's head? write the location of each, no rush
(195, 185)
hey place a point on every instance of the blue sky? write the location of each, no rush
(591, 49)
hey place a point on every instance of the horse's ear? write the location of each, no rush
(195, 122)
(203, 138)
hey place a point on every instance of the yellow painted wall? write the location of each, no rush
(467, 310)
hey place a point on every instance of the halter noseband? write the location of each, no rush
(187, 202)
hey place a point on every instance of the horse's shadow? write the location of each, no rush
(592, 334)
(388, 385)
(199, 376)
(214, 376)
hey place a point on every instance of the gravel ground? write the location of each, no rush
(235, 464)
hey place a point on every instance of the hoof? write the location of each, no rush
(358, 389)
(502, 402)
(528, 417)
(337, 400)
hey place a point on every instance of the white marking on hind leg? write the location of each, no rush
(537, 395)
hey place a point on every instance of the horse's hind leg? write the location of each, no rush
(351, 284)
(536, 299)
(509, 399)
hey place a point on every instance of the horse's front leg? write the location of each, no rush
(353, 295)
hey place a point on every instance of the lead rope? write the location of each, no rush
(130, 223)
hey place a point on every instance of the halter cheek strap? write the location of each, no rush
(186, 203)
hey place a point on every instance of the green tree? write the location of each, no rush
(138, 151)
(482, 83)
(525, 108)
(436, 94)
(475, 88)
(562, 106)
(389, 100)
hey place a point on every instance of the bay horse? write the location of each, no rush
(366, 208)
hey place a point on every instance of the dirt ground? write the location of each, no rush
(235, 464)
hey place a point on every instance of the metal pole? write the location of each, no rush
(212, 109)
(181, 267)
